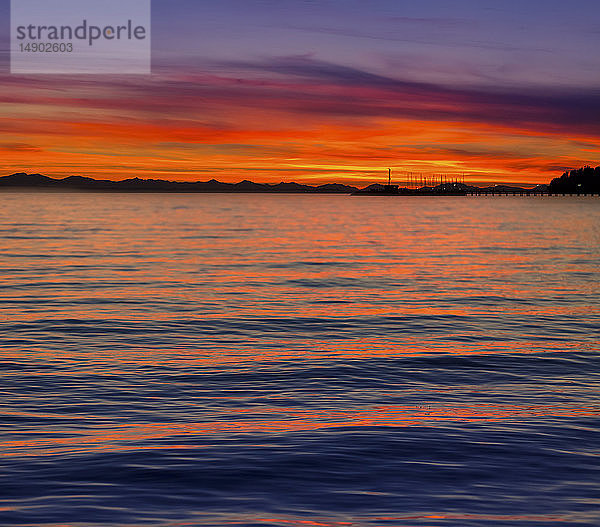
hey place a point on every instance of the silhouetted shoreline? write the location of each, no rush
(40, 182)
(580, 181)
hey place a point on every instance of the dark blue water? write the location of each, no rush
(300, 360)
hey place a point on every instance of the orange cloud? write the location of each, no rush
(307, 121)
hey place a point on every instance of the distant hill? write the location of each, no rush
(581, 180)
(22, 180)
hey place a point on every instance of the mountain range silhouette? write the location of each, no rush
(581, 180)
(38, 181)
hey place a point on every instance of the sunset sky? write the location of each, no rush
(325, 91)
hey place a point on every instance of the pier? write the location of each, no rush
(451, 185)
(526, 192)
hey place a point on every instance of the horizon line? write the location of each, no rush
(427, 180)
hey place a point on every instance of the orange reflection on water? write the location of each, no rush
(116, 362)
(470, 516)
(279, 420)
(323, 522)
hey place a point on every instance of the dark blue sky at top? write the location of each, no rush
(537, 43)
(529, 42)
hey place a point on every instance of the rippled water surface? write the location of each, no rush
(283, 360)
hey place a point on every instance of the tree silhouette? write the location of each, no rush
(581, 180)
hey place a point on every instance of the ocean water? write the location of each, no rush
(297, 360)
